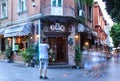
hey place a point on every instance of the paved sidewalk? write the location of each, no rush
(19, 72)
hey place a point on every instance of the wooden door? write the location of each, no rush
(59, 46)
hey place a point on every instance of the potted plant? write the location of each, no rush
(36, 55)
(78, 57)
(9, 54)
(27, 55)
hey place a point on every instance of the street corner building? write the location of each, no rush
(66, 24)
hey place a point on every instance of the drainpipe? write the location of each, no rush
(13, 38)
(13, 43)
(39, 32)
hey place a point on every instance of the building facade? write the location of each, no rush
(86, 31)
(21, 20)
(18, 24)
(99, 25)
(66, 24)
(58, 25)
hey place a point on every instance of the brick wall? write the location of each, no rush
(13, 10)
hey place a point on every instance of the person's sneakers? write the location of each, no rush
(45, 77)
(41, 77)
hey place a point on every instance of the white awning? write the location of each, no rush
(81, 28)
(2, 31)
(94, 33)
(110, 41)
(18, 30)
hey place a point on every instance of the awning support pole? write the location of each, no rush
(13, 43)
(39, 32)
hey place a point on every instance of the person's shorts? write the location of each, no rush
(43, 63)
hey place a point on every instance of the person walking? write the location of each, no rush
(85, 60)
(116, 55)
(43, 57)
(95, 61)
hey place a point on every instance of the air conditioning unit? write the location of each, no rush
(81, 12)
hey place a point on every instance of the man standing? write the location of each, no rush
(43, 58)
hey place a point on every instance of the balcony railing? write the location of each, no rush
(64, 11)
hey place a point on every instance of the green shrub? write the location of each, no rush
(28, 54)
(78, 56)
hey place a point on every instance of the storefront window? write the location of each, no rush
(21, 43)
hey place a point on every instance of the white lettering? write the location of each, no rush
(57, 27)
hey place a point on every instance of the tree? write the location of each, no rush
(115, 34)
(113, 8)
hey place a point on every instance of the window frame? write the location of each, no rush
(21, 6)
(4, 14)
(89, 14)
(56, 4)
(81, 7)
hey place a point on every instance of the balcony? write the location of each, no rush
(57, 11)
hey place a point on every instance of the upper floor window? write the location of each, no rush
(81, 7)
(59, 3)
(21, 5)
(3, 9)
(56, 3)
(56, 7)
(90, 12)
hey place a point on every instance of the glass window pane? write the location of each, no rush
(22, 6)
(54, 3)
(4, 10)
(59, 3)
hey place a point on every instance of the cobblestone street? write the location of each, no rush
(19, 72)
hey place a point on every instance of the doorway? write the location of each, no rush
(58, 53)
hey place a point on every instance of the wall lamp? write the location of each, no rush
(76, 36)
(86, 43)
(33, 3)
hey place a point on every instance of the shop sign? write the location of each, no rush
(57, 27)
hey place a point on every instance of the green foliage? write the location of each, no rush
(113, 8)
(78, 56)
(36, 53)
(36, 48)
(81, 20)
(8, 52)
(115, 34)
(28, 54)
